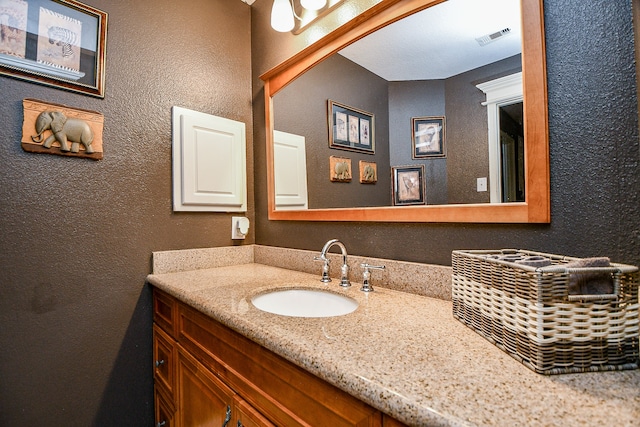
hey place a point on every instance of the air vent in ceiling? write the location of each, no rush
(486, 39)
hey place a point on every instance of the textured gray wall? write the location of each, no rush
(451, 179)
(344, 82)
(77, 235)
(467, 129)
(417, 99)
(593, 121)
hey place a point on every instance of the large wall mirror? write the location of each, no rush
(444, 100)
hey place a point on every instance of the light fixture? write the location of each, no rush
(282, 16)
(283, 13)
(313, 4)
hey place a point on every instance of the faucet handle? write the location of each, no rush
(344, 276)
(366, 276)
(325, 268)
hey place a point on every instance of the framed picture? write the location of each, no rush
(59, 43)
(428, 137)
(408, 185)
(350, 128)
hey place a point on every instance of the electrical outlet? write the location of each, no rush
(482, 184)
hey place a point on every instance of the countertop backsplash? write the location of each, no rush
(421, 279)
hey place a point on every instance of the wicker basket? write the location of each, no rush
(528, 312)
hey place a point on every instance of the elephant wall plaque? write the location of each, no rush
(58, 129)
(368, 172)
(340, 169)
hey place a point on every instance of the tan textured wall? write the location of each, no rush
(77, 235)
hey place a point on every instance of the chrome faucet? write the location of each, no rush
(344, 279)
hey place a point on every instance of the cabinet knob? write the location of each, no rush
(161, 424)
(159, 363)
(239, 423)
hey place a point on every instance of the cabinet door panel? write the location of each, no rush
(282, 391)
(203, 399)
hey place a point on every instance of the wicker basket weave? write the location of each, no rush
(528, 312)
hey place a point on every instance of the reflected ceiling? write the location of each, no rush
(449, 40)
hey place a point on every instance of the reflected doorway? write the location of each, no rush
(506, 138)
(511, 152)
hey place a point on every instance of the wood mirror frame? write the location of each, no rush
(535, 208)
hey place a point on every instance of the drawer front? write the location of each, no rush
(164, 360)
(165, 311)
(164, 412)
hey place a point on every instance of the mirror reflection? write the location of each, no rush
(449, 76)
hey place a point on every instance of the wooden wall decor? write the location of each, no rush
(58, 129)
(368, 172)
(339, 169)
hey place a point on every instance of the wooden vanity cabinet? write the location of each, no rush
(221, 374)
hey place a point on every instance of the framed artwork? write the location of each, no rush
(428, 137)
(368, 172)
(350, 128)
(58, 43)
(339, 169)
(408, 185)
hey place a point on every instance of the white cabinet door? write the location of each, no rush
(290, 171)
(209, 163)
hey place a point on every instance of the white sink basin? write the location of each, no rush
(304, 303)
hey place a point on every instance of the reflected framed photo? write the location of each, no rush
(428, 137)
(350, 129)
(340, 169)
(58, 43)
(408, 185)
(368, 172)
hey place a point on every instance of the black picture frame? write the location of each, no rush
(350, 129)
(428, 137)
(59, 43)
(408, 185)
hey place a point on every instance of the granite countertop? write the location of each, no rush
(406, 355)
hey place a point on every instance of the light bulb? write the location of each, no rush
(313, 4)
(282, 16)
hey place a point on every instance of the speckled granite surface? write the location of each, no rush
(421, 279)
(406, 355)
(197, 259)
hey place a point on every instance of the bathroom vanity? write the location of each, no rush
(207, 373)
(398, 359)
